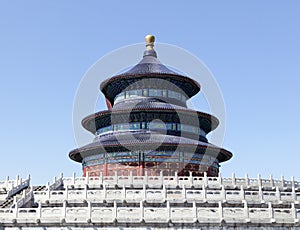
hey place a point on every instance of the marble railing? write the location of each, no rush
(166, 194)
(179, 181)
(146, 214)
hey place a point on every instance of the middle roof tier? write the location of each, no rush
(148, 110)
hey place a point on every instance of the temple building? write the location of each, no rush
(150, 166)
(147, 109)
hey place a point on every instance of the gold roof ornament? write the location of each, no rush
(150, 39)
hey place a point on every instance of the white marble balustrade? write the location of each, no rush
(178, 181)
(149, 214)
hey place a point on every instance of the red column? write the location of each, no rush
(141, 168)
(105, 170)
(108, 104)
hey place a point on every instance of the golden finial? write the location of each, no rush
(150, 39)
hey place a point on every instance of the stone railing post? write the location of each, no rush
(164, 192)
(144, 192)
(259, 181)
(293, 211)
(85, 191)
(104, 191)
(16, 209)
(194, 211)
(293, 188)
(17, 180)
(191, 178)
(176, 178)
(260, 193)
(64, 214)
(89, 210)
(124, 193)
(48, 190)
(223, 193)
(74, 178)
(67, 193)
(246, 211)
(282, 181)
(28, 179)
(204, 193)
(271, 212)
(205, 179)
(220, 179)
(116, 179)
(39, 210)
(146, 178)
(115, 210)
(272, 181)
(141, 211)
(6, 182)
(278, 194)
(242, 192)
(131, 179)
(220, 211)
(233, 180)
(183, 193)
(168, 211)
(246, 180)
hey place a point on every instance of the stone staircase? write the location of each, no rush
(10, 200)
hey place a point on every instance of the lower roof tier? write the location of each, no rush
(123, 141)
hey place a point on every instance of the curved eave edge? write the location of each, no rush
(223, 154)
(127, 76)
(86, 122)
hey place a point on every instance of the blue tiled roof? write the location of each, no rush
(149, 64)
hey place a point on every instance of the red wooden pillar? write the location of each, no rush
(84, 171)
(141, 164)
(105, 170)
(141, 169)
(108, 104)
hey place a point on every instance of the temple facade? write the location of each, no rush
(150, 166)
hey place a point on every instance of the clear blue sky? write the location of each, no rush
(252, 48)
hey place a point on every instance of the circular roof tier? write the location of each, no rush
(143, 113)
(144, 141)
(151, 68)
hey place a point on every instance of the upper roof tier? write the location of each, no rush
(149, 67)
